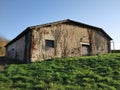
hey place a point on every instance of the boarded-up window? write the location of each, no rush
(49, 43)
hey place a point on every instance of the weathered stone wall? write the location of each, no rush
(16, 49)
(100, 43)
(38, 49)
(68, 41)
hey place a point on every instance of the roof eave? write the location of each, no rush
(19, 36)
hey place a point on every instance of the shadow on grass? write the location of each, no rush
(7, 61)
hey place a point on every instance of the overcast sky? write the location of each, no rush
(17, 15)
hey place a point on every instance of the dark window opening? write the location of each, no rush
(49, 43)
(12, 49)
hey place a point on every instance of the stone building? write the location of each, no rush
(66, 38)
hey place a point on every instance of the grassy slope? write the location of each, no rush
(79, 73)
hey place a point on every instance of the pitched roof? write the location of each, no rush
(59, 22)
(75, 22)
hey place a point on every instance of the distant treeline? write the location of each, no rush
(3, 42)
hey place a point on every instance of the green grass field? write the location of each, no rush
(79, 73)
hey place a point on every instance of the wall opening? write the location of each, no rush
(85, 50)
(12, 49)
(49, 43)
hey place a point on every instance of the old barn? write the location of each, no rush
(66, 38)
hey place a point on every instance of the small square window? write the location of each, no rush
(12, 49)
(49, 43)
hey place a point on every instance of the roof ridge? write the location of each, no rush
(51, 23)
(60, 21)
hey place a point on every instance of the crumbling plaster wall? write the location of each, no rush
(16, 49)
(100, 43)
(68, 39)
(68, 42)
